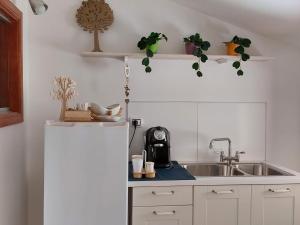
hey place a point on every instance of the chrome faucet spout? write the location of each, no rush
(221, 139)
(224, 158)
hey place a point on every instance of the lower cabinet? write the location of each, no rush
(162, 215)
(162, 205)
(275, 205)
(222, 205)
(217, 205)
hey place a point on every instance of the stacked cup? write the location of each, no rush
(149, 168)
(137, 164)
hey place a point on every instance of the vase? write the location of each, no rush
(231, 48)
(190, 48)
(153, 48)
(63, 110)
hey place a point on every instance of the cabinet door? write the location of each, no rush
(222, 205)
(275, 205)
(162, 215)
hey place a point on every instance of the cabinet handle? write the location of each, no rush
(163, 193)
(223, 192)
(280, 190)
(164, 213)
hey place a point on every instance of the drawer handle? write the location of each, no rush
(280, 190)
(163, 193)
(223, 192)
(164, 213)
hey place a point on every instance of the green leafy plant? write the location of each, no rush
(240, 49)
(150, 44)
(200, 47)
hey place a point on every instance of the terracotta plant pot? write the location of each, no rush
(190, 48)
(231, 48)
(154, 47)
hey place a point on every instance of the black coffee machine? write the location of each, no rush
(157, 146)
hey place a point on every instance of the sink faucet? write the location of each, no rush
(229, 159)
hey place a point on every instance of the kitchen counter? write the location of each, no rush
(213, 180)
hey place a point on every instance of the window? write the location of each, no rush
(11, 72)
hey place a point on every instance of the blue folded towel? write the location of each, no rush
(175, 172)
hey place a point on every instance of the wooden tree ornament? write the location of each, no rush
(64, 90)
(95, 16)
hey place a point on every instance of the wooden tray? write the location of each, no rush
(78, 116)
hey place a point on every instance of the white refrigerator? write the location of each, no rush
(86, 173)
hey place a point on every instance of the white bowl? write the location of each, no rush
(114, 109)
(98, 110)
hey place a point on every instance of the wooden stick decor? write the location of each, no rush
(95, 16)
(64, 90)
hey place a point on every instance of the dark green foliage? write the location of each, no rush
(239, 49)
(201, 47)
(148, 69)
(242, 44)
(204, 58)
(142, 44)
(195, 66)
(245, 57)
(236, 64)
(145, 43)
(205, 45)
(146, 61)
(197, 52)
(151, 40)
(199, 73)
(240, 72)
(246, 42)
(149, 53)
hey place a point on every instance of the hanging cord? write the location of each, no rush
(132, 137)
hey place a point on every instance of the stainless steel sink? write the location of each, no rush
(261, 169)
(216, 169)
(237, 169)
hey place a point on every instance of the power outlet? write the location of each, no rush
(137, 122)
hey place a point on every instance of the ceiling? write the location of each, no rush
(278, 19)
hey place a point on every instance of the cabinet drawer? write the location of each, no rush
(163, 215)
(153, 196)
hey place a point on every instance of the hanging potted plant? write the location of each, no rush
(151, 45)
(196, 46)
(236, 47)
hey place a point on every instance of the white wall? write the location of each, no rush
(56, 41)
(193, 124)
(285, 108)
(13, 187)
(12, 176)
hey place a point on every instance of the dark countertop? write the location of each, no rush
(175, 172)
